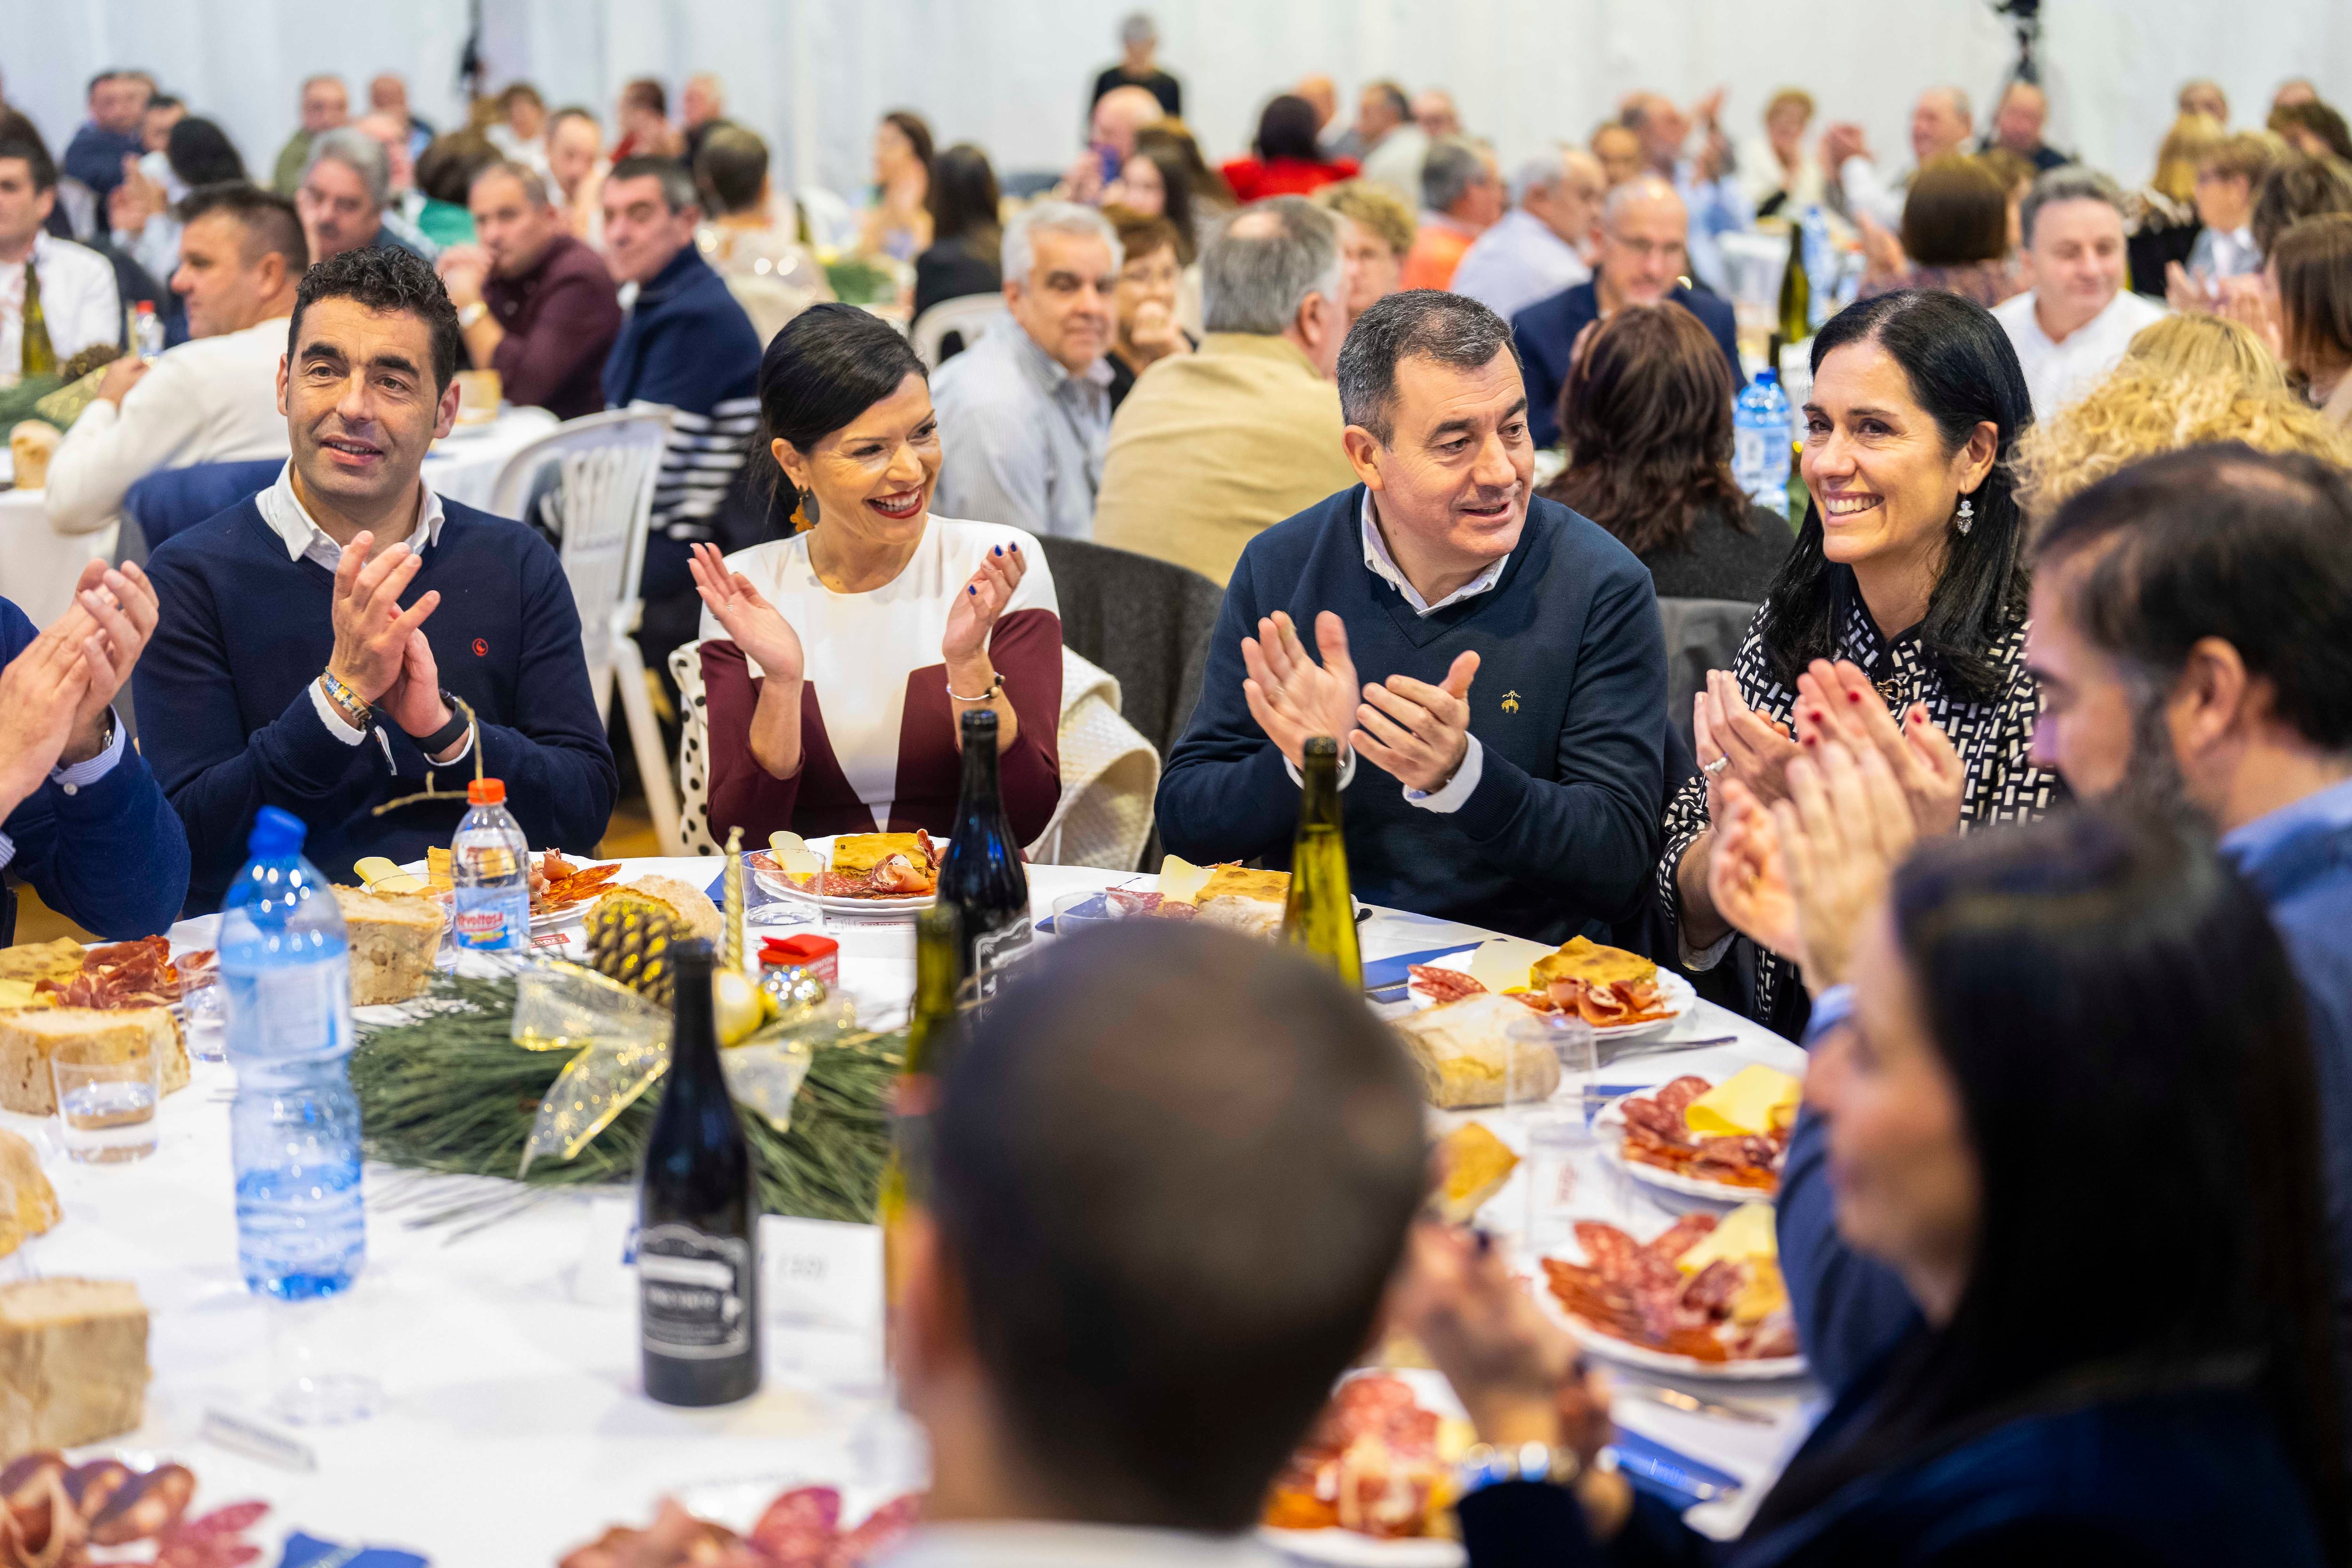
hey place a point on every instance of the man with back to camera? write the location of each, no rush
(1025, 413)
(1643, 251)
(2072, 326)
(1212, 1151)
(1513, 711)
(311, 637)
(212, 399)
(1537, 248)
(535, 304)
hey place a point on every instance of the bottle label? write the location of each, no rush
(694, 1292)
(999, 949)
(485, 919)
(297, 1010)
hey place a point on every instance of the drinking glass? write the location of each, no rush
(106, 1099)
(1562, 1146)
(1075, 912)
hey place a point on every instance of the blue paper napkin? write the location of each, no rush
(1668, 1473)
(303, 1550)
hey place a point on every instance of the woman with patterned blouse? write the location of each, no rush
(1910, 568)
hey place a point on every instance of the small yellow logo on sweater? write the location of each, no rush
(1510, 701)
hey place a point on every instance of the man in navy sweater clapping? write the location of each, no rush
(1496, 655)
(311, 637)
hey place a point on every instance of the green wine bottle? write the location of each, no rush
(40, 356)
(1796, 324)
(931, 1040)
(1319, 914)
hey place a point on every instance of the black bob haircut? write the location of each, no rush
(1963, 373)
(823, 369)
(2221, 542)
(1454, 330)
(385, 279)
(1175, 1169)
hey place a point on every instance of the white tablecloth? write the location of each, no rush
(464, 464)
(38, 565)
(513, 1427)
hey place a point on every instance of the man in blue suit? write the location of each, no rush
(1645, 254)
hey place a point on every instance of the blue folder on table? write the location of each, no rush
(1668, 1473)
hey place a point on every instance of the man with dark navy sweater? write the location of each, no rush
(313, 637)
(1514, 668)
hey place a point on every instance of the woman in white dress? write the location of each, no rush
(848, 653)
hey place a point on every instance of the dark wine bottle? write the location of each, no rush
(697, 1216)
(980, 874)
(930, 1036)
(1319, 914)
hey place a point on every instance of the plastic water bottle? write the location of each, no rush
(147, 332)
(1759, 451)
(294, 1129)
(491, 863)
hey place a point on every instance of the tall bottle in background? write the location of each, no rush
(1795, 323)
(294, 1127)
(39, 354)
(489, 860)
(931, 1039)
(1319, 914)
(1759, 449)
(980, 873)
(697, 1216)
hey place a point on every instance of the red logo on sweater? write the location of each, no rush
(481, 647)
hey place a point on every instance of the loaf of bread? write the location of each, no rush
(36, 1201)
(73, 1363)
(29, 1037)
(394, 937)
(691, 904)
(1468, 1057)
(1249, 916)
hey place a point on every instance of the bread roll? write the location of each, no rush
(393, 939)
(690, 904)
(31, 445)
(73, 1363)
(29, 1037)
(1467, 1056)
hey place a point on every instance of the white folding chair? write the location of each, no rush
(601, 504)
(971, 315)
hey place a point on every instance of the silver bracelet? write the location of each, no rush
(1487, 1463)
(995, 685)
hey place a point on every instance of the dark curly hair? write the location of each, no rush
(386, 279)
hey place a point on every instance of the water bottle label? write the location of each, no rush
(489, 918)
(694, 1292)
(297, 1010)
(1000, 950)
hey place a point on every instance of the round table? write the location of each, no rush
(512, 1426)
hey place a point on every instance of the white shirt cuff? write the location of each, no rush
(1449, 798)
(1703, 958)
(337, 725)
(70, 779)
(1347, 770)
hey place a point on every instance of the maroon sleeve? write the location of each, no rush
(742, 793)
(1026, 650)
(576, 324)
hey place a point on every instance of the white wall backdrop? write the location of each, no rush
(1011, 75)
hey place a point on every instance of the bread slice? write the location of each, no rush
(73, 1363)
(29, 1037)
(691, 904)
(1467, 1056)
(36, 1201)
(1251, 916)
(393, 937)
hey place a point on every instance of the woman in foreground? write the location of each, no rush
(848, 653)
(2031, 1004)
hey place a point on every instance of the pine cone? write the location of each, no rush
(629, 940)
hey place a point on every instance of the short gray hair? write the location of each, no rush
(1418, 323)
(1053, 217)
(534, 186)
(1455, 163)
(2068, 182)
(1540, 173)
(1959, 101)
(1254, 283)
(1137, 30)
(358, 151)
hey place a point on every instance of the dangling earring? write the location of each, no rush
(1966, 518)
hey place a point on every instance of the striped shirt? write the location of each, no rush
(684, 344)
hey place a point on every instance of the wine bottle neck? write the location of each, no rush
(1318, 799)
(694, 1027)
(979, 795)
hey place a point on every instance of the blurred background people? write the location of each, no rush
(1543, 243)
(533, 303)
(1375, 235)
(895, 224)
(2019, 121)
(1285, 159)
(1778, 171)
(2076, 321)
(1461, 198)
(326, 104)
(967, 233)
(1139, 66)
(1392, 146)
(752, 234)
(1150, 275)
(1955, 235)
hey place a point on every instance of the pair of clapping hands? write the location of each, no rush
(55, 694)
(1809, 827)
(380, 649)
(1416, 732)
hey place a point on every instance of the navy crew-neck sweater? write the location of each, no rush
(227, 723)
(1569, 704)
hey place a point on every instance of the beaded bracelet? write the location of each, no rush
(355, 708)
(995, 685)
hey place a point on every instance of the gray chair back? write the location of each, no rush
(1701, 634)
(1145, 621)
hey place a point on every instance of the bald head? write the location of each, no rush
(1645, 236)
(1123, 111)
(1661, 127)
(1324, 94)
(1433, 112)
(2018, 123)
(388, 95)
(1940, 122)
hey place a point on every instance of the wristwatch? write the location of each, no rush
(469, 314)
(447, 736)
(1486, 1465)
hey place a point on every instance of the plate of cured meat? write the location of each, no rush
(1372, 1484)
(851, 873)
(124, 975)
(761, 1522)
(1622, 994)
(1722, 1141)
(1704, 1297)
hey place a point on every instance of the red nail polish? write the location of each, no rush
(1853, 696)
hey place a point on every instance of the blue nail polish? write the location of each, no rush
(1000, 550)
(973, 591)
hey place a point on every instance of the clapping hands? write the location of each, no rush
(1837, 702)
(1416, 732)
(55, 694)
(757, 626)
(978, 603)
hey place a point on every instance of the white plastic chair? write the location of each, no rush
(601, 504)
(971, 315)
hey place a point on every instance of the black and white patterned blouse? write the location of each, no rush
(1993, 738)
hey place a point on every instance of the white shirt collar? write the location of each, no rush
(1383, 566)
(283, 510)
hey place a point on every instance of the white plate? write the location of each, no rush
(1763, 1369)
(1614, 1115)
(1676, 991)
(777, 884)
(542, 921)
(1346, 1548)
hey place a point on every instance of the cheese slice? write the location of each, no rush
(1181, 881)
(1746, 1232)
(20, 994)
(381, 876)
(1502, 964)
(1750, 1102)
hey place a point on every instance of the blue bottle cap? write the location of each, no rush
(1768, 376)
(276, 834)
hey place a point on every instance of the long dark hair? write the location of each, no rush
(915, 130)
(1646, 419)
(2087, 979)
(1963, 372)
(963, 202)
(823, 369)
(1286, 129)
(201, 154)
(1167, 155)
